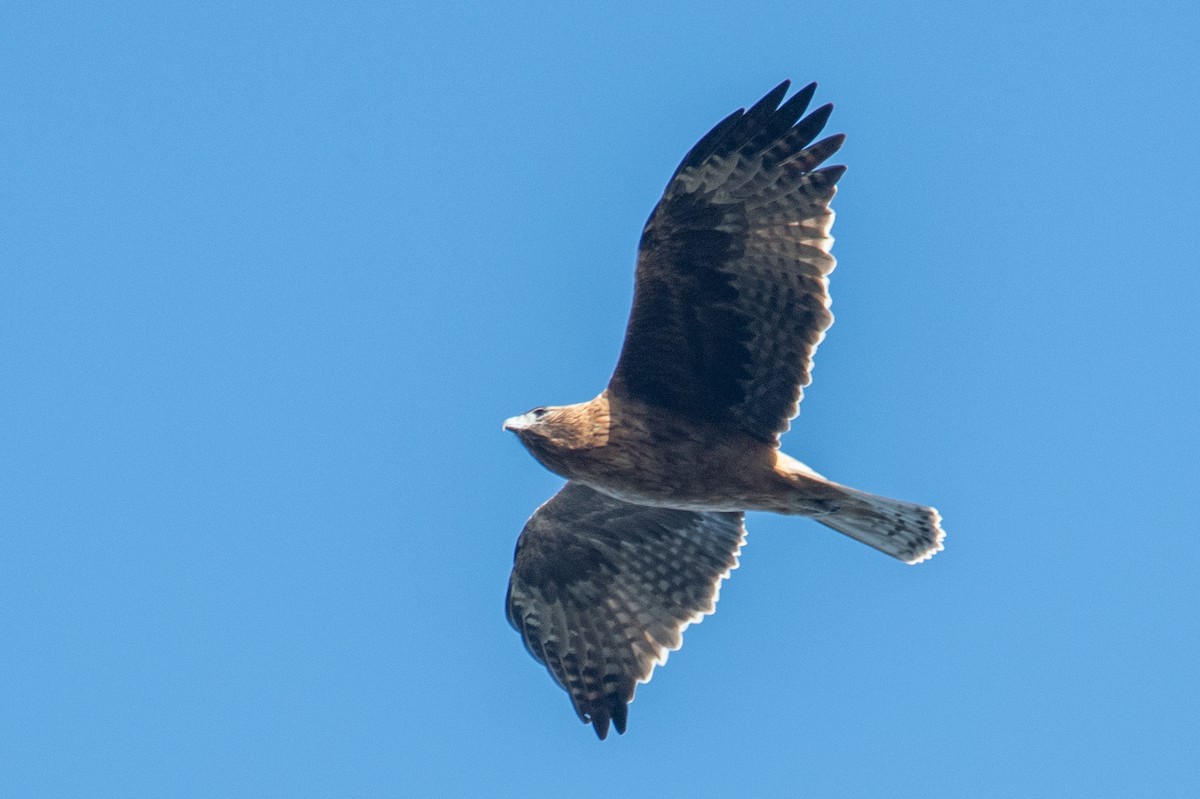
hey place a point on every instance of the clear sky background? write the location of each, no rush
(272, 275)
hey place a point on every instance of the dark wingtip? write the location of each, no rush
(817, 153)
(770, 101)
(600, 724)
(819, 117)
(616, 713)
(829, 175)
(787, 114)
(620, 714)
(802, 98)
(807, 129)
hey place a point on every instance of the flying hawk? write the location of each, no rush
(730, 302)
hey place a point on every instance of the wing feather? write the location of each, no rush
(731, 297)
(602, 590)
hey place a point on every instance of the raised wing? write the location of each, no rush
(602, 590)
(731, 298)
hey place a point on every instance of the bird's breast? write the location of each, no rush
(686, 468)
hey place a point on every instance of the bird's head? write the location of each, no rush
(538, 423)
(552, 433)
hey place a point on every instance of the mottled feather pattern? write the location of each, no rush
(602, 590)
(730, 303)
(731, 299)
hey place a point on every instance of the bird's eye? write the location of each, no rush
(538, 413)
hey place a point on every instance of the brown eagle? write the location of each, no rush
(730, 302)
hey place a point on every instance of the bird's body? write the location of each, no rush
(639, 454)
(731, 301)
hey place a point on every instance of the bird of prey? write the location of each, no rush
(730, 302)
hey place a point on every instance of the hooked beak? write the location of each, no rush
(513, 423)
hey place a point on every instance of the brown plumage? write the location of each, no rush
(730, 302)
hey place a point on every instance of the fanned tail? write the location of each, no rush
(913, 533)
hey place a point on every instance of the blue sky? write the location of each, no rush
(271, 276)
